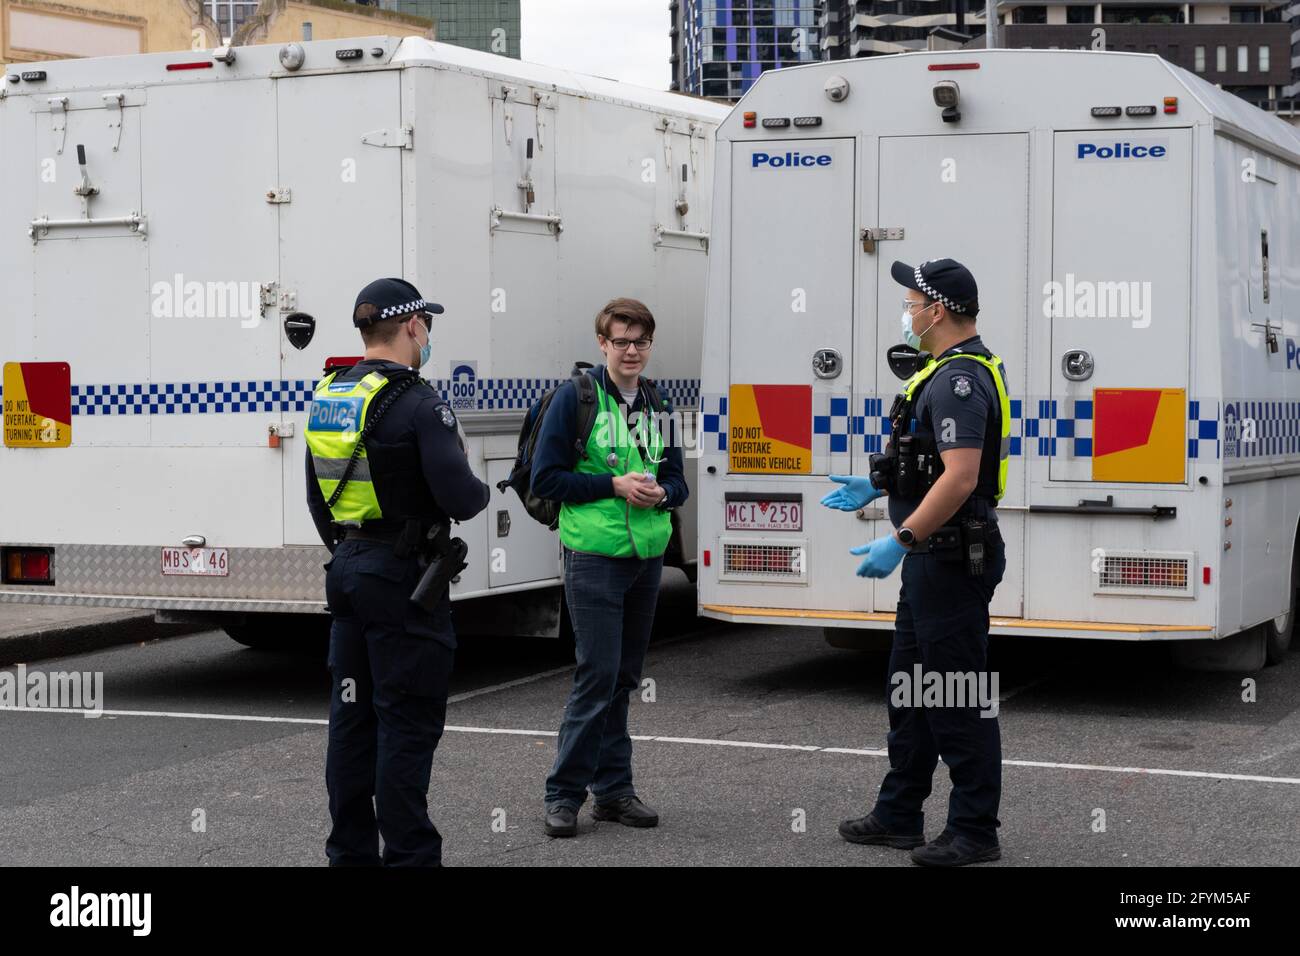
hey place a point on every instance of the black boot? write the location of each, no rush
(561, 821)
(868, 830)
(629, 811)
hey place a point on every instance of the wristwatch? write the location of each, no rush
(906, 536)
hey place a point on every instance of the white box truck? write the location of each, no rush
(1135, 233)
(183, 236)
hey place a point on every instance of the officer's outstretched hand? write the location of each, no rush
(883, 556)
(856, 493)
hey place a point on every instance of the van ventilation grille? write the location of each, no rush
(764, 560)
(1143, 572)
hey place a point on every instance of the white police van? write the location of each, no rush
(1135, 233)
(184, 236)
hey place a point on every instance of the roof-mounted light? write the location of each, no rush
(946, 96)
(292, 56)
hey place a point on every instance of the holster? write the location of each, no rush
(944, 544)
(443, 558)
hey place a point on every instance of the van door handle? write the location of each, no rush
(1077, 365)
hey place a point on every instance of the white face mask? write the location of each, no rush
(910, 337)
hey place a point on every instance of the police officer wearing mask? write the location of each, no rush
(944, 471)
(386, 471)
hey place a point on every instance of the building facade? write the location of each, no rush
(1252, 50)
(33, 30)
(1245, 49)
(721, 46)
(488, 25)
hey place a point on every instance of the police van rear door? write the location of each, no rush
(1119, 305)
(341, 147)
(791, 306)
(964, 197)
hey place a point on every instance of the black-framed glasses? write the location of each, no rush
(642, 344)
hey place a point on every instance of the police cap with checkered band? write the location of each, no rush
(392, 297)
(943, 280)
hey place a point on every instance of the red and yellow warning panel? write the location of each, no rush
(37, 405)
(770, 429)
(1139, 434)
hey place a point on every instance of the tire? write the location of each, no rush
(1278, 631)
(306, 635)
(857, 639)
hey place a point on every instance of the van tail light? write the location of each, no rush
(27, 565)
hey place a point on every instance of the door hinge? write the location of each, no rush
(871, 236)
(113, 103)
(267, 296)
(400, 138)
(59, 120)
(279, 196)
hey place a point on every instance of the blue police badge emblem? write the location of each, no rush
(448, 418)
(961, 386)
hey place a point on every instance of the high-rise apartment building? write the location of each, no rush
(488, 25)
(721, 46)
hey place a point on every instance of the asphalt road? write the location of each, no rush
(759, 740)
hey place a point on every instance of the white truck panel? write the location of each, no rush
(260, 193)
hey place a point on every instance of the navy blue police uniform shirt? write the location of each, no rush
(414, 418)
(555, 456)
(957, 401)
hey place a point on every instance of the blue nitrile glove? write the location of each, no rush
(856, 493)
(883, 556)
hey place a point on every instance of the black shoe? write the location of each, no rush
(950, 850)
(869, 830)
(629, 811)
(561, 822)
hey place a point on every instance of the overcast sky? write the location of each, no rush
(625, 40)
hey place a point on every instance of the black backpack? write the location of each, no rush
(520, 478)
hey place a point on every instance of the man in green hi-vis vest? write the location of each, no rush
(945, 469)
(617, 493)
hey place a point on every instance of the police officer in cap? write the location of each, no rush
(386, 472)
(944, 471)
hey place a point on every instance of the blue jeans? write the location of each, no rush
(612, 605)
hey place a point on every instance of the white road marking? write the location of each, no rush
(457, 698)
(692, 741)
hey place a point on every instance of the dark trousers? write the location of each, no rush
(612, 605)
(390, 665)
(943, 624)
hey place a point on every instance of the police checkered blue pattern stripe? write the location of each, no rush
(521, 393)
(186, 398)
(1041, 427)
(1047, 427)
(286, 395)
(1253, 429)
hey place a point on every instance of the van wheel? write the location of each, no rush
(857, 638)
(284, 634)
(1278, 631)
